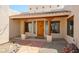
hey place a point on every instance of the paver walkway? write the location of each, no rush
(57, 44)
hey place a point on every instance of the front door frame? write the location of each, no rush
(43, 27)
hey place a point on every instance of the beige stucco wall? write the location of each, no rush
(75, 11)
(14, 29)
(4, 24)
(59, 35)
(47, 8)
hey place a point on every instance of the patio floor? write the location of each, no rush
(57, 44)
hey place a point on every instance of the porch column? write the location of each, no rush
(36, 28)
(22, 27)
(32, 27)
(49, 27)
(44, 28)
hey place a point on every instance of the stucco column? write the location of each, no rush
(36, 28)
(22, 27)
(49, 36)
(44, 28)
(32, 27)
(49, 27)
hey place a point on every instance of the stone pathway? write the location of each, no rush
(58, 44)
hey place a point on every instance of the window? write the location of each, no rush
(30, 8)
(34, 27)
(58, 5)
(28, 27)
(70, 26)
(46, 27)
(37, 8)
(55, 27)
(50, 6)
(42, 6)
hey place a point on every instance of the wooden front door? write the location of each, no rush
(40, 28)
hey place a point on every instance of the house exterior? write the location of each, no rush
(13, 28)
(44, 18)
(55, 20)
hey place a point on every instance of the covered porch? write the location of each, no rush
(42, 24)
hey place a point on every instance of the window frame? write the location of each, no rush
(27, 26)
(58, 26)
(70, 19)
(30, 8)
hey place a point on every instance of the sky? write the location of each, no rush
(20, 8)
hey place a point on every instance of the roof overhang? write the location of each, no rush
(41, 15)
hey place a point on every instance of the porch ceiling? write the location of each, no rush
(41, 15)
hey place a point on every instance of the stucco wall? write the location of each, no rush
(44, 8)
(75, 11)
(14, 29)
(59, 35)
(4, 24)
